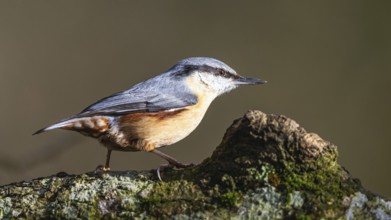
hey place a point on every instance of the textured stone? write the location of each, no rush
(266, 167)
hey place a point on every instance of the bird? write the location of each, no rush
(157, 112)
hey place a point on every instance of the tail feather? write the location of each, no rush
(89, 124)
(62, 124)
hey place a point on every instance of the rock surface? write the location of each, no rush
(267, 167)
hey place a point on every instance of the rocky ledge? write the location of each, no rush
(266, 167)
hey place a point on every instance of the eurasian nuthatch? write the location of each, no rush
(157, 112)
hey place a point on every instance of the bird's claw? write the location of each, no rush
(101, 168)
(162, 167)
(187, 165)
(171, 165)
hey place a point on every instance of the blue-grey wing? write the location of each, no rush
(145, 97)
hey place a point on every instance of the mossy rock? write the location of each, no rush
(267, 167)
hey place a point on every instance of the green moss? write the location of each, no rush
(304, 217)
(231, 199)
(323, 188)
(174, 197)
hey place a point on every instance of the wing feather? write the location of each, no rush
(153, 95)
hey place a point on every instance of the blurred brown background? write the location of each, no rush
(327, 62)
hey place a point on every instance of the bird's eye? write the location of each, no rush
(223, 73)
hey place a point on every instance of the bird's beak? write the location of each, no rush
(249, 81)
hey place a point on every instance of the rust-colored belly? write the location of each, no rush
(147, 131)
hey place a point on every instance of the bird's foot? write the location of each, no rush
(171, 164)
(102, 168)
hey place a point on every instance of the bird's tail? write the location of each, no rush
(89, 124)
(64, 124)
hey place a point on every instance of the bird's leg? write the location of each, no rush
(107, 164)
(106, 167)
(171, 162)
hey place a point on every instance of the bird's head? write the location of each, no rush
(212, 74)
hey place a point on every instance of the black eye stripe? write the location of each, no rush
(213, 70)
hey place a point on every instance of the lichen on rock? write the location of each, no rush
(266, 167)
